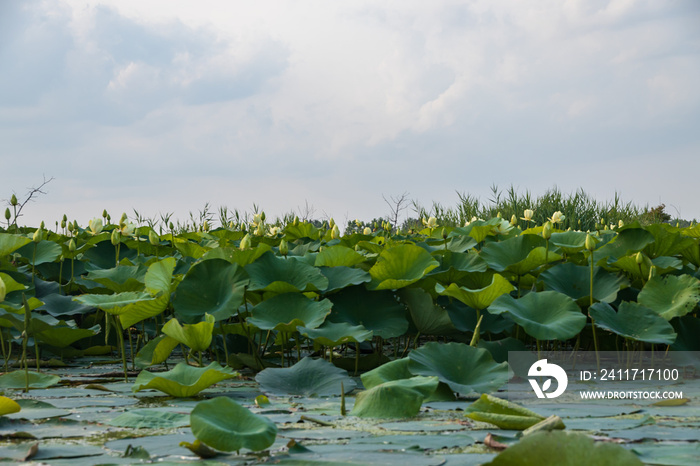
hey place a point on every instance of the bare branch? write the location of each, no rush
(33, 192)
(396, 204)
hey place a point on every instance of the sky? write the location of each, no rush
(327, 107)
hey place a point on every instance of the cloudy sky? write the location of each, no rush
(166, 105)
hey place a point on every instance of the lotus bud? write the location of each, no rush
(70, 227)
(367, 231)
(63, 223)
(246, 242)
(72, 246)
(42, 225)
(258, 230)
(620, 224)
(498, 215)
(513, 220)
(153, 238)
(425, 224)
(547, 230)
(606, 227)
(205, 226)
(38, 235)
(590, 243)
(75, 225)
(652, 272)
(3, 290)
(7, 214)
(358, 224)
(527, 215)
(602, 221)
(284, 247)
(105, 214)
(123, 220)
(13, 200)
(639, 258)
(115, 238)
(331, 223)
(296, 220)
(335, 232)
(432, 222)
(443, 233)
(262, 216)
(171, 226)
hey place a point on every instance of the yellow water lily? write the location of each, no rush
(274, 231)
(127, 228)
(367, 231)
(557, 217)
(527, 215)
(432, 223)
(257, 219)
(95, 225)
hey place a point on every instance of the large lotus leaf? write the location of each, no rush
(688, 329)
(479, 229)
(455, 243)
(628, 265)
(464, 318)
(46, 251)
(8, 406)
(159, 276)
(224, 425)
(547, 315)
(197, 336)
(670, 296)
(428, 317)
(633, 321)
(336, 256)
(10, 283)
(284, 275)
(668, 241)
(464, 368)
(155, 351)
(397, 399)
(183, 380)
(189, 249)
(120, 279)
(16, 379)
(150, 419)
(334, 334)
(666, 264)
(375, 310)
(400, 266)
(285, 312)
(213, 286)
(397, 370)
(238, 256)
(301, 230)
(628, 241)
(143, 310)
(10, 243)
(59, 305)
(341, 277)
(63, 335)
(308, 377)
(116, 304)
(575, 281)
(564, 449)
(570, 242)
(502, 413)
(454, 266)
(509, 254)
(480, 298)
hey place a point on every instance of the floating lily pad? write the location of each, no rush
(502, 413)
(396, 399)
(223, 424)
(183, 380)
(16, 379)
(150, 419)
(308, 377)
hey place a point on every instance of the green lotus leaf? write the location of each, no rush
(301, 230)
(518, 255)
(159, 277)
(575, 281)
(455, 266)
(479, 229)
(626, 242)
(116, 304)
(285, 312)
(341, 277)
(397, 370)
(8, 406)
(502, 413)
(428, 317)
(308, 377)
(59, 305)
(570, 242)
(10, 243)
(464, 368)
(120, 279)
(547, 315)
(688, 329)
(156, 351)
(62, 334)
(668, 241)
(400, 266)
(377, 311)
(455, 243)
(16, 380)
(633, 321)
(396, 399)
(143, 310)
(279, 275)
(479, 298)
(335, 334)
(336, 256)
(183, 380)
(189, 249)
(197, 336)
(563, 449)
(670, 296)
(237, 256)
(10, 283)
(150, 419)
(46, 251)
(666, 264)
(214, 286)
(224, 425)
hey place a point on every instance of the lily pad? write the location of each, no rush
(479, 298)
(396, 399)
(375, 310)
(16, 379)
(224, 425)
(334, 334)
(400, 266)
(575, 281)
(279, 275)
(286, 311)
(197, 336)
(183, 380)
(634, 321)
(336, 256)
(670, 296)
(150, 419)
(547, 315)
(342, 277)
(308, 377)
(464, 368)
(428, 317)
(502, 413)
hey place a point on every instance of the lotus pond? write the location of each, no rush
(294, 344)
